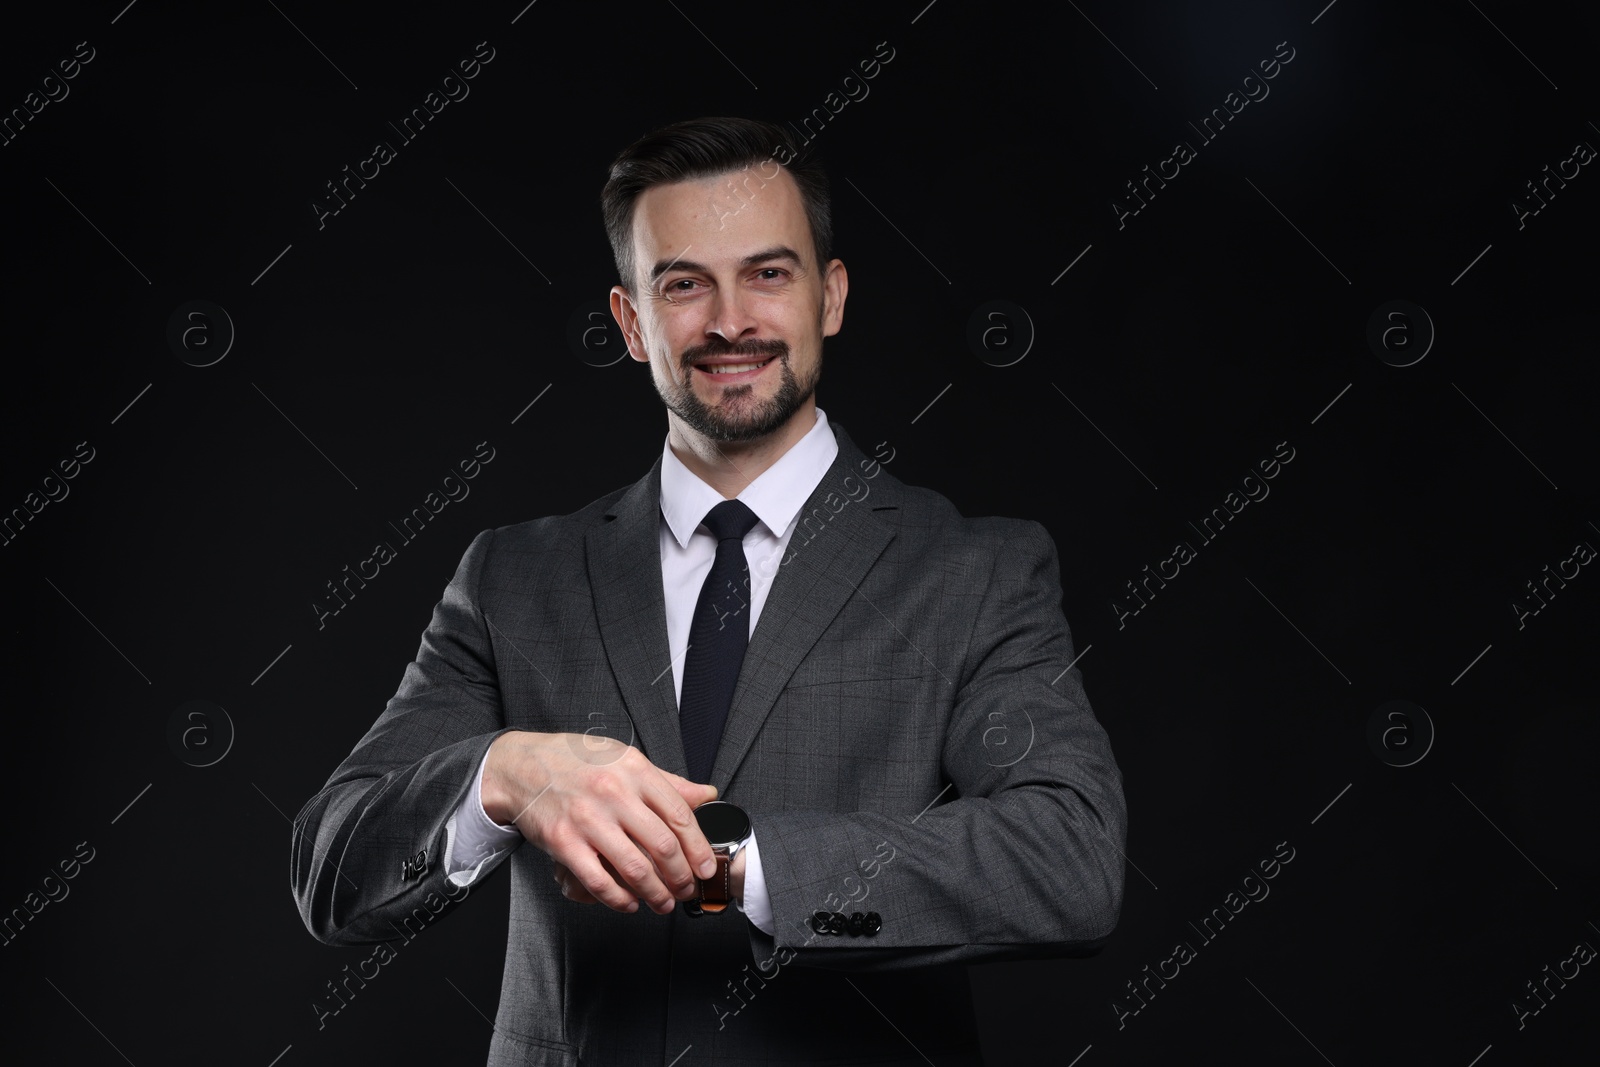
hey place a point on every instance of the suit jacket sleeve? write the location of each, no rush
(389, 801)
(1023, 856)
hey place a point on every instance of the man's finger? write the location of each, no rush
(677, 811)
(695, 793)
(664, 845)
(589, 875)
(633, 873)
(571, 888)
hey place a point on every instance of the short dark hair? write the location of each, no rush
(703, 148)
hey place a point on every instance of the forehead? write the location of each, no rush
(720, 219)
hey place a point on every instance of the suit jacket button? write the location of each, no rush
(821, 922)
(414, 866)
(872, 923)
(838, 923)
(856, 924)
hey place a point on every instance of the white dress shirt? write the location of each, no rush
(474, 843)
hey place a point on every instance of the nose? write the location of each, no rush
(730, 315)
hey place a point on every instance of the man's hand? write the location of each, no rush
(573, 890)
(617, 826)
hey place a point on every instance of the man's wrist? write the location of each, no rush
(496, 787)
(736, 876)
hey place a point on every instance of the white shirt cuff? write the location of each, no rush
(757, 904)
(475, 843)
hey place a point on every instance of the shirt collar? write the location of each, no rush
(776, 495)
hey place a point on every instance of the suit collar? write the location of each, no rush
(835, 543)
(776, 495)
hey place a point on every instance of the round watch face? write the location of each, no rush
(722, 823)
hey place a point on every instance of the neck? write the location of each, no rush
(730, 466)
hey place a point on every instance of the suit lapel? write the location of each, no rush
(624, 559)
(821, 574)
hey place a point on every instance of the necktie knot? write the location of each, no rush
(730, 519)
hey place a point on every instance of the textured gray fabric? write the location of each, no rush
(904, 655)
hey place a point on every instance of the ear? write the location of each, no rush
(626, 313)
(835, 287)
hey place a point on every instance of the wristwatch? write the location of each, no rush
(727, 830)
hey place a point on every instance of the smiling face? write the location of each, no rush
(729, 307)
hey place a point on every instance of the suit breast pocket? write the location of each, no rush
(554, 687)
(859, 722)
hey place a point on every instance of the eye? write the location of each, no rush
(771, 274)
(679, 287)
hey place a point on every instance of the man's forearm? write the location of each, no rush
(974, 880)
(352, 882)
(368, 849)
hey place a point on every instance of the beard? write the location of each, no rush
(737, 416)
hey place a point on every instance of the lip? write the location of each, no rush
(733, 378)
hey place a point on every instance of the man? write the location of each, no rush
(770, 620)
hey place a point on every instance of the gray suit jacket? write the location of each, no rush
(905, 735)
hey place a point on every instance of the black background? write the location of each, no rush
(1178, 351)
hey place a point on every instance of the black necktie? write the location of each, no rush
(717, 640)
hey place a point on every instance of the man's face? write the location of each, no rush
(726, 278)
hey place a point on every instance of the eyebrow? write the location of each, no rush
(765, 255)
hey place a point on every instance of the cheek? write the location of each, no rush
(667, 347)
(665, 365)
(674, 329)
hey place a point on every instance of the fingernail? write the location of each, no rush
(708, 868)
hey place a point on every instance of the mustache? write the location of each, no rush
(721, 347)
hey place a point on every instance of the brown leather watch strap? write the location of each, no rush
(716, 892)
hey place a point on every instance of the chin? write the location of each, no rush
(743, 425)
(736, 414)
